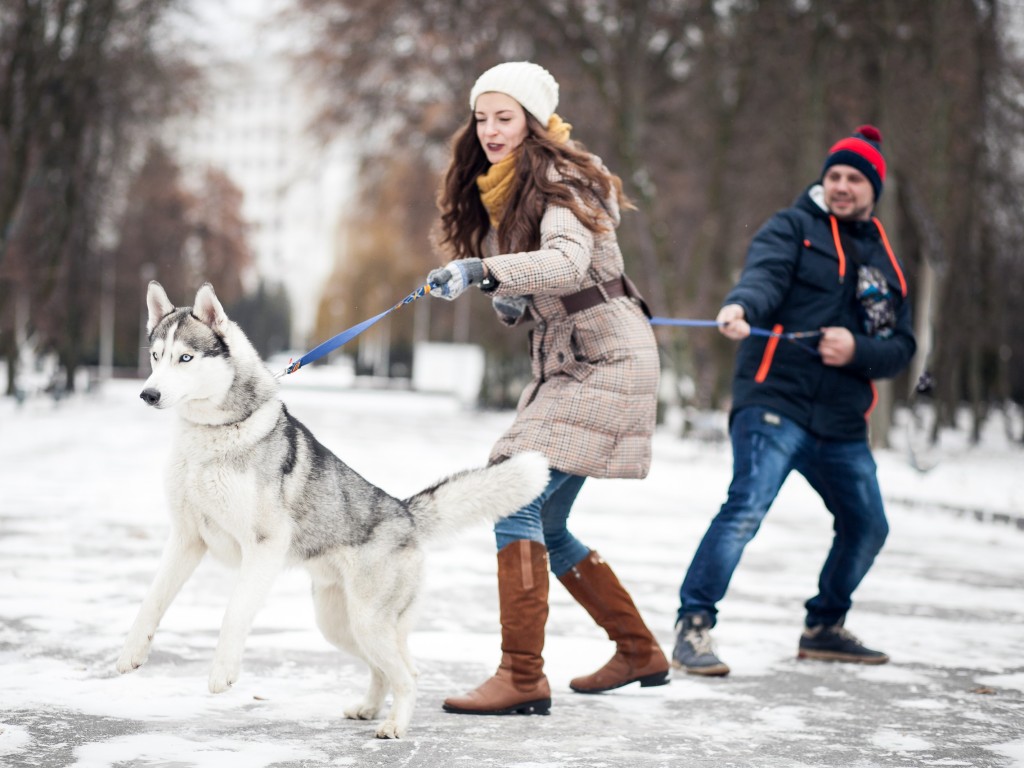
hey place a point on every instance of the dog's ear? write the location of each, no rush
(208, 309)
(159, 305)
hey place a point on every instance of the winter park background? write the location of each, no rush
(289, 152)
(82, 523)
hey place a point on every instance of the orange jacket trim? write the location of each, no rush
(874, 401)
(769, 353)
(892, 256)
(839, 246)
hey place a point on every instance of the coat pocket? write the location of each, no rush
(563, 357)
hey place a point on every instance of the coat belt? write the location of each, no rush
(602, 292)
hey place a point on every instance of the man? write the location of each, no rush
(824, 265)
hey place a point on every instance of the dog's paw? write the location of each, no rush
(223, 676)
(362, 711)
(132, 657)
(390, 729)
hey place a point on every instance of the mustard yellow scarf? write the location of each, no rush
(497, 185)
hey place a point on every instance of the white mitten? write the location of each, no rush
(453, 278)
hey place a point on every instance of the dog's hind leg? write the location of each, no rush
(261, 564)
(373, 700)
(180, 557)
(390, 669)
(383, 635)
(404, 625)
(332, 617)
(331, 609)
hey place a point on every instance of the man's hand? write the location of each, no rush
(732, 322)
(836, 346)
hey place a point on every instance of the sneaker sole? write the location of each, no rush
(847, 658)
(715, 670)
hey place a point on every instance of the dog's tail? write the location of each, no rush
(479, 495)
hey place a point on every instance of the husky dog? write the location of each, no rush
(250, 484)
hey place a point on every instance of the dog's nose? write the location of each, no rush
(151, 396)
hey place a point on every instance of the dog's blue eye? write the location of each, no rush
(185, 358)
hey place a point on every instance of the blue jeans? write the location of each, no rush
(544, 520)
(766, 447)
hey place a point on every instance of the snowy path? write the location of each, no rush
(82, 522)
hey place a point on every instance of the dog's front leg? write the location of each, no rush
(180, 558)
(260, 566)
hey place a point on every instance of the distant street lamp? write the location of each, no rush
(147, 272)
(107, 309)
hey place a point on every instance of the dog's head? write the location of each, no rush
(190, 349)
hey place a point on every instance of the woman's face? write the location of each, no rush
(500, 124)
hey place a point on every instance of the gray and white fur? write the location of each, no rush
(250, 484)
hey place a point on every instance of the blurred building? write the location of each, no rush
(253, 125)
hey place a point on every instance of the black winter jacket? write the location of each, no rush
(807, 270)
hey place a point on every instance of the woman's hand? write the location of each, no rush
(451, 280)
(510, 308)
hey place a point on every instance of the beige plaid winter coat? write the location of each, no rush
(590, 408)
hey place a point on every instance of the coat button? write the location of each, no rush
(561, 357)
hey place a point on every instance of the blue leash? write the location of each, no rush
(790, 336)
(345, 336)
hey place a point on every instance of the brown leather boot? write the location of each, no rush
(638, 657)
(519, 686)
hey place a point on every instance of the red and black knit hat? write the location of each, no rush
(863, 151)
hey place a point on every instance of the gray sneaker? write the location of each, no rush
(694, 652)
(836, 643)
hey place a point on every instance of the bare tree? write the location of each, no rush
(79, 80)
(222, 255)
(717, 114)
(178, 235)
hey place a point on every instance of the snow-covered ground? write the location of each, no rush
(82, 522)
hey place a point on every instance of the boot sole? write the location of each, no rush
(847, 658)
(538, 707)
(716, 670)
(646, 681)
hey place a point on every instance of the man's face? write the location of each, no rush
(848, 193)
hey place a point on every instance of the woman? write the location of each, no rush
(529, 217)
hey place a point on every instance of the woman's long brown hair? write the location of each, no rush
(582, 187)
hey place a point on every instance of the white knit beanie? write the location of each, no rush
(529, 84)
